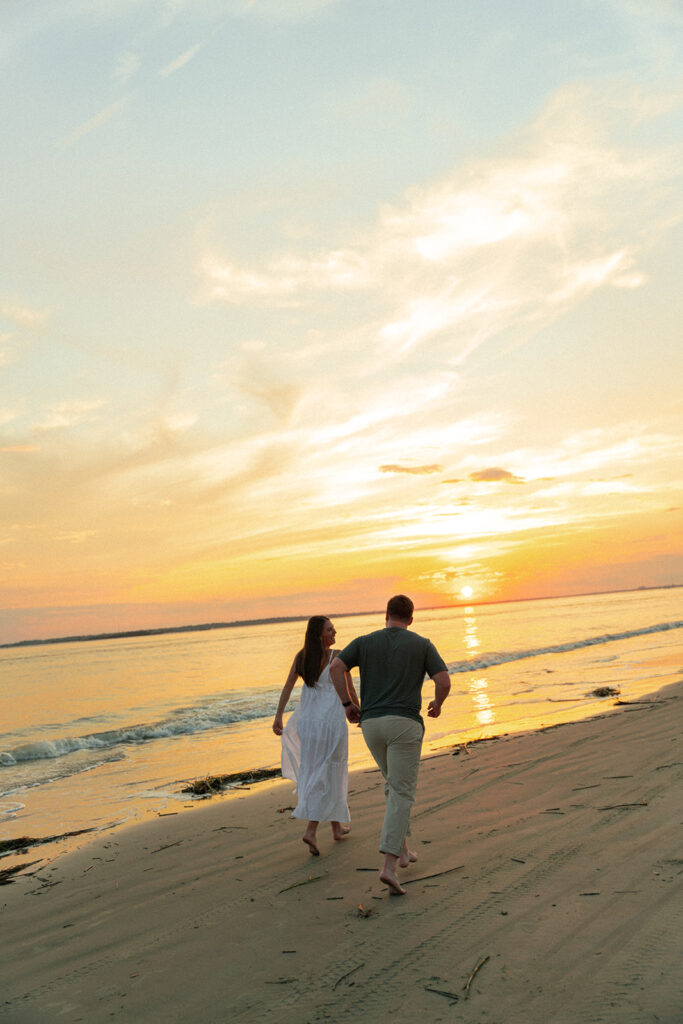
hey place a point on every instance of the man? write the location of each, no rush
(393, 663)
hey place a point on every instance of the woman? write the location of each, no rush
(315, 740)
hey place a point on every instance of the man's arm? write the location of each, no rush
(442, 687)
(338, 675)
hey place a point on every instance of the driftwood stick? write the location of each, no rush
(167, 847)
(449, 995)
(614, 807)
(660, 700)
(306, 881)
(348, 974)
(475, 970)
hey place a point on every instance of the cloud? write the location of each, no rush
(95, 122)
(622, 446)
(495, 475)
(69, 414)
(417, 470)
(286, 280)
(127, 67)
(180, 61)
(506, 242)
(22, 316)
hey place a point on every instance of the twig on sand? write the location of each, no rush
(423, 878)
(614, 807)
(348, 974)
(282, 981)
(660, 700)
(306, 881)
(475, 970)
(449, 995)
(167, 847)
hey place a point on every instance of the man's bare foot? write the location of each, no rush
(390, 879)
(407, 857)
(339, 831)
(311, 844)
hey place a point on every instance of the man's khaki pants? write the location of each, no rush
(395, 743)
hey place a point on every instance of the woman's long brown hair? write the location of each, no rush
(309, 659)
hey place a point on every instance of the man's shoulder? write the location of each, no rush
(369, 638)
(415, 638)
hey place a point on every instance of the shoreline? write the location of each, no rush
(546, 892)
(175, 798)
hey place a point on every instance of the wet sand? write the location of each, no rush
(547, 891)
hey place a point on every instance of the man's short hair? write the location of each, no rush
(400, 607)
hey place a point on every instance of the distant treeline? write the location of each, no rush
(160, 631)
(299, 618)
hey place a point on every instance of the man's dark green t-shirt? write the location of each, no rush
(393, 663)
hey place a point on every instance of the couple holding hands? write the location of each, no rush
(393, 663)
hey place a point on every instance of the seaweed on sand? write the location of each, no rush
(213, 784)
(23, 842)
(7, 874)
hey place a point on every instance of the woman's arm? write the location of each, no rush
(352, 690)
(284, 698)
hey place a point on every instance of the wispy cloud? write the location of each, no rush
(495, 475)
(127, 67)
(180, 61)
(23, 316)
(95, 122)
(513, 240)
(69, 414)
(414, 470)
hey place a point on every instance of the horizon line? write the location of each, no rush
(268, 620)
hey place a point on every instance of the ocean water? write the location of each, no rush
(104, 732)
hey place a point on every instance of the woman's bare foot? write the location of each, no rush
(389, 878)
(309, 838)
(407, 857)
(339, 831)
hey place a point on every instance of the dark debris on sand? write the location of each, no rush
(214, 784)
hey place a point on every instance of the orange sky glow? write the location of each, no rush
(289, 325)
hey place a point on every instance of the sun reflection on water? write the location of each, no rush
(483, 707)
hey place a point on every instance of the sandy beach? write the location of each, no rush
(548, 889)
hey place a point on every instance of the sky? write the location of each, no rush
(308, 302)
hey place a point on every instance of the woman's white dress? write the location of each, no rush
(315, 745)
